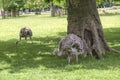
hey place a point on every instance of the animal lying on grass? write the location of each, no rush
(71, 45)
(25, 32)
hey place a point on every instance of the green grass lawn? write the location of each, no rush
(35, 61)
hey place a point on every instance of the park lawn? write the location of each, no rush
(28, 61)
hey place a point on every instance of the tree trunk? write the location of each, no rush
(3, 11)
(84, 21)
(14, 12)
(3, 14)
(53, 10)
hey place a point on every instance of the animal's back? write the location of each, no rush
(26, 31)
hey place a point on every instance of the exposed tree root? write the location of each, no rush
(114, 50)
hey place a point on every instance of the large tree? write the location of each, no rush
(84, 21)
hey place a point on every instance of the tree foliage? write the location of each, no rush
(107, 3)
(14, 6)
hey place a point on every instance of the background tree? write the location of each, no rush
(2, 6)
(11, 7)
(54, 5)
(34, 5)
(84, 21)
(107, 3)
(14, 7)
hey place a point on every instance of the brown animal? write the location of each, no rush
(71, 45)
(25, 32)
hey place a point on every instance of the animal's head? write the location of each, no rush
(57, 53)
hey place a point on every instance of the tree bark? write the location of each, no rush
(13, 12)
(84, 21)
(53, 10)
(3, 11)
(3, 14)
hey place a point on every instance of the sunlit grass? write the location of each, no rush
(111, 18)
(28, 61)
(111, 21)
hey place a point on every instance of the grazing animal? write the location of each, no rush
(25, 32)
(71, 45)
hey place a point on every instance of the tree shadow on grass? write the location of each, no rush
(109, 60)
(112, 36)
(21, 56)
(28, 55)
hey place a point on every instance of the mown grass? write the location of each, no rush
(28, 61)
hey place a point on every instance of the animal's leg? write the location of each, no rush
(76, 57)
(69, 57)
(25, 37)
(18, 40)
(31, 39)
